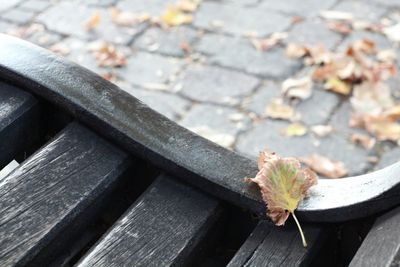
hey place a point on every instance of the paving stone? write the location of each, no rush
(242, 2)
(313, 32)
(389, 3)
(340, 120)
(101, 2)
(148, 70)
(169, 105)
(151, 7)
(259, 100)
(6, 26)
(238, 53)
(305, 8)
(219, 124)
(318, 108)
(267, 135)
(381, 42)
(69, 17)
(166, 41)
(35, 5)
(7, 4)
(388, 158)
(240, 20)
(215, 84)
(19, 16)
(44, 38)
(362, 10)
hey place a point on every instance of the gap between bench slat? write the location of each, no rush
(381, 246)
(164, 227)
(269, 245)
(43, 196)
(20, 126)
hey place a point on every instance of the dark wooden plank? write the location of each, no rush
(58, 184)
(151, 136)
(163, 228)
(19, 122)
(381, 246)
(269, 245)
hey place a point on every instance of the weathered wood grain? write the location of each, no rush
(272, 246)
(381, 247)
(19, 122)
(163, 228)
(40, 199)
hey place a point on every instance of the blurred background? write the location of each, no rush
(315, 79)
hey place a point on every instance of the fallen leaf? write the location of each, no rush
(295, 129)
(173, 16)
(185, 46)
(387, 55)
(364, 140)
(371, 98)
(296, 50)
(297, 88)
(267, 43)
(382, 127)
(126, 18)
(283, 184)
(106, 55)
(337, 86)
(325, 166)
(336, 15)
(340, 27)
(92, 22)
(277, 109)
(393, 32)
(392, 112)
(322, 130)
(187, 5)
(60, 49)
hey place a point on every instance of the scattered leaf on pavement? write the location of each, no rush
(106, 55)
(267, 43)
(283, 184)
(364, 140)
(338, 86)
(295, 129)
(277, 109)
(93, 21)
(173, 16)
(325, 166)
(322, 130)
(297, 88)
(336, 15)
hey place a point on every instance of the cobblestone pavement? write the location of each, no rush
(206, 75)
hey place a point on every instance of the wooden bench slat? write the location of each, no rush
(381, 246)
(164, 227)
(41, 198)
(268, 245)
(19, 122)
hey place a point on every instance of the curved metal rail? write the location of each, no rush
(145, 133)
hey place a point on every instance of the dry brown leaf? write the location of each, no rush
(283, 184)
(322, 130)
(364, 140)
(60, 49)
(337, 86)
(371, 98)
(187, 5)
(392, 113)
(267, 43)
(277, 109)
(387, 55)
(93, 21)
(126, 18)
(340, 27)
(106, 55)
(325, 166)
(173, 16)
(382, 127)
(297, 88)
(296, 50)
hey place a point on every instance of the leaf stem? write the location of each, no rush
(300, 230)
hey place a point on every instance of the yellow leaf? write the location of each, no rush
(173, 16)
(283, 184)
(295, 129)
(279, 110)
(337, 86)
(93, 21)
